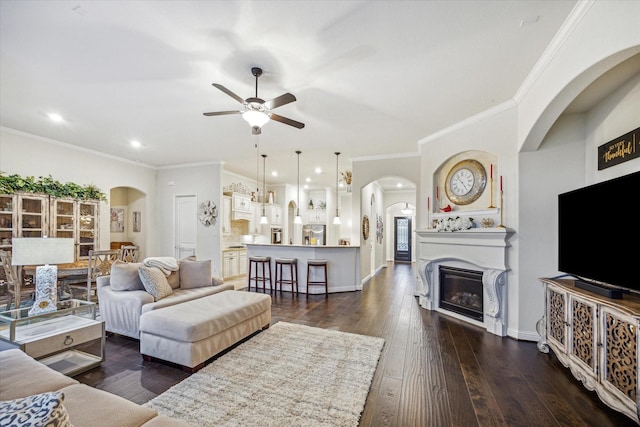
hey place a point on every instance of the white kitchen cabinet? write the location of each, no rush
(240, 206)
(226, 215)
(274, 214)
(234, 263)
(316, 216)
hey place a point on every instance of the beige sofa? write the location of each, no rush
(23, 376)
(123, 298)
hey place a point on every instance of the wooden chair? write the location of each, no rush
(129, 253)
(18, 289)
(100, 263)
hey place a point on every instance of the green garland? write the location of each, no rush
(10, 184)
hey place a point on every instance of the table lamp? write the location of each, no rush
(38, 251)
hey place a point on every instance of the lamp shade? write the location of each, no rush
(42, 250)
(255, 118)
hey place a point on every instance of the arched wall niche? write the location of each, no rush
(128, 206)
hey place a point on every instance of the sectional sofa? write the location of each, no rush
(37, 395)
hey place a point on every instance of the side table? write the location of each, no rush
(53, 338)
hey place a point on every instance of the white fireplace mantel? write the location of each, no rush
(479, 249)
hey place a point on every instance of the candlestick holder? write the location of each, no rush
(501, 200)
(491, 200)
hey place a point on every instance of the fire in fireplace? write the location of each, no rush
(461, 292)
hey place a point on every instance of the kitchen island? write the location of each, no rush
(343, 265)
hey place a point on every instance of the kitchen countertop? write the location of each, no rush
(231, 249)
(304, 246)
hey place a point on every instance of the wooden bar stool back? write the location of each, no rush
(292, 264)
(320, 267)
(258, 272)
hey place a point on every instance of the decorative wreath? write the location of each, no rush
(365, 227)
(208, 213)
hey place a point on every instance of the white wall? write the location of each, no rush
(30, 155)
(203, 181)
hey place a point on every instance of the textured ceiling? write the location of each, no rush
(371, 78)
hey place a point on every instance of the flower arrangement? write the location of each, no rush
(346, 175)
(454, 224)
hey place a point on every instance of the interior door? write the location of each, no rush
(186, 226)
(402, 240)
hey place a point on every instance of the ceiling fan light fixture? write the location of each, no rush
(255, 118)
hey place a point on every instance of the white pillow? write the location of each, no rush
(45, 409)
(195, 274)
(155, 282)
(125, 277)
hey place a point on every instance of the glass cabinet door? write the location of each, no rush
(64, 223)
(33, 216)
(7, 220)
(88, 228)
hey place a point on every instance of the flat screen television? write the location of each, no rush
(599, 235)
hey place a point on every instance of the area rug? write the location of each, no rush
(288, 375)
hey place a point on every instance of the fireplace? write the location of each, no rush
(461, 292)
(463, 274)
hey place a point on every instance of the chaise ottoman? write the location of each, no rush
(192, 332)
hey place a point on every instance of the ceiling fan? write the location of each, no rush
(257, 111)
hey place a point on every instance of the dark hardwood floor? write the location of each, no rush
(434, 370)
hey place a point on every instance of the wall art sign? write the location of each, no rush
(619, 150)
(117, 220)
(137, 221)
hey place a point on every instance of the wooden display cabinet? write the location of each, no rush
(597, 338)
(39, 215)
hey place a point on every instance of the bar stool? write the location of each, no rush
(317, 264)
(255, 262)
(292, 263)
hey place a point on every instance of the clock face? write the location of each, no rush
(465, 182)
(461, 182)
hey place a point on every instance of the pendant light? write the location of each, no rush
(298, 218)
(263, 218)
(407, 210)
(336, 220)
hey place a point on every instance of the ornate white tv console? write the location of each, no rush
(597, 338)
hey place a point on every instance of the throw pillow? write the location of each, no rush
(124, 276)
(195, 274)
(155, 282)
(45, 409)
(174, 279)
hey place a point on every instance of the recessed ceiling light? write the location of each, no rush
(305, 186)
(274, 173)
(318, 170)
(399, 185)
(56, 118)
(307, 179)
(135, 143)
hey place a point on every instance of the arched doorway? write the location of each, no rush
(128, 219)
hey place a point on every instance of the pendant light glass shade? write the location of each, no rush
(407, 210)
(263, 218)
(298, 218)
(255, 118)
(336, 219)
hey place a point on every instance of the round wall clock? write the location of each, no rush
(465, 182)
(365, 227)
(208, 213)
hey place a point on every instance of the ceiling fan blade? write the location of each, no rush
(286, 121)
(279, 101)
(228, 92)
(221, 113)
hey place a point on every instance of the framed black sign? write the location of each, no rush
(620, 150)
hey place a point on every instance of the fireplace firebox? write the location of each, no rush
(461, 292)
